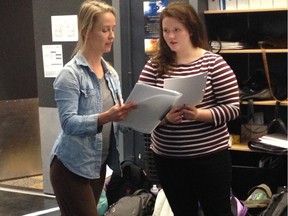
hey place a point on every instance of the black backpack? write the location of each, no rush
(134, 178)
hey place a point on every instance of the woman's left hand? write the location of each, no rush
(190, 112)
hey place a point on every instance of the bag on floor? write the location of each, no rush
(140, 203)
(102, 204)
(133, 178)
(277, 206)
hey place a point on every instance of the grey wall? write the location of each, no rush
(19, 123)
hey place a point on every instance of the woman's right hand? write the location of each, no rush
(116, 113)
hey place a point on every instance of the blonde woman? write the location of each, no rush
(89, 101)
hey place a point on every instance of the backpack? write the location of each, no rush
(140, 203)
(277, 205)
(133, 178)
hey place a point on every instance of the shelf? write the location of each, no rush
(267, 103)
(244, 11)
(240, 147)
(247, 51)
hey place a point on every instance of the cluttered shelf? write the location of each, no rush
(247, 51)
(267, 102)
(243, 11)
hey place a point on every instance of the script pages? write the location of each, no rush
(192, 87)
(152, 105)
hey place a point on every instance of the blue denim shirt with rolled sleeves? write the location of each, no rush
(78, 98)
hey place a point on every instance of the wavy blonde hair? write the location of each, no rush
(89, 14)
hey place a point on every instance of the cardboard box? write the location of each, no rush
(213, 5)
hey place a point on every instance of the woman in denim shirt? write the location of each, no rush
(88, 97)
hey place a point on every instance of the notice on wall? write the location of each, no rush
(52, 60)
(64, 28)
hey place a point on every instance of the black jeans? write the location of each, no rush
(75, 195)
(190, 182)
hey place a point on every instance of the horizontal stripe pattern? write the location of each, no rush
(192, 138)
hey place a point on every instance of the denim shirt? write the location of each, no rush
(78, 98)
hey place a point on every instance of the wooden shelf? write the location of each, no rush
(244, 11)
(267, 103)
(247, 51)
(240, 147)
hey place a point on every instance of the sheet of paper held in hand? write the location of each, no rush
(153, 103)
(192, 87)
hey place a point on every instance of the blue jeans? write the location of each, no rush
(190, 182)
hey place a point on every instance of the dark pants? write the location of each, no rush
(188, 182)
(76, 196)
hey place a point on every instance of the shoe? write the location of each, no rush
(258, 197)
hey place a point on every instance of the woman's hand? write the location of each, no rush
(116, 113)
(189, 112)
(174, 116)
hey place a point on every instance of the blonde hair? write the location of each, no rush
(89, 14)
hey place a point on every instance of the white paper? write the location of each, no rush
(64, 28)
(192, 87)
(276, 140)
(52, 60)
(152, 104)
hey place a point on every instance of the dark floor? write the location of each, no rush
(20, 201)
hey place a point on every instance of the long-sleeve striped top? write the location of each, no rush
(192, 138)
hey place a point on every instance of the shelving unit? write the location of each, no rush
(251, 26)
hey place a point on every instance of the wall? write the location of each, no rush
(19, 124)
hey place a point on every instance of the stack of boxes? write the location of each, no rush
(246, 4)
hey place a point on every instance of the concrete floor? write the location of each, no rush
(25, 196)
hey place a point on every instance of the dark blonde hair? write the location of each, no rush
(89, 14)
(185, 14)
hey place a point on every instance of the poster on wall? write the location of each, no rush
(152, 10)
(64, 28)
(52, 60)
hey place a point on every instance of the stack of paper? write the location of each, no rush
(275, 143)
(227, 45)
(153, 102)
(152, 105)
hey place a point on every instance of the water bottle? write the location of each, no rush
(154, 189)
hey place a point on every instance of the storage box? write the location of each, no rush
(213, 5)
(280, 3)
(231, 4)
(255, 4)
(242, 4)
(252, 131)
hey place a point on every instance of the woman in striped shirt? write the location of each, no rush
(190, 145)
